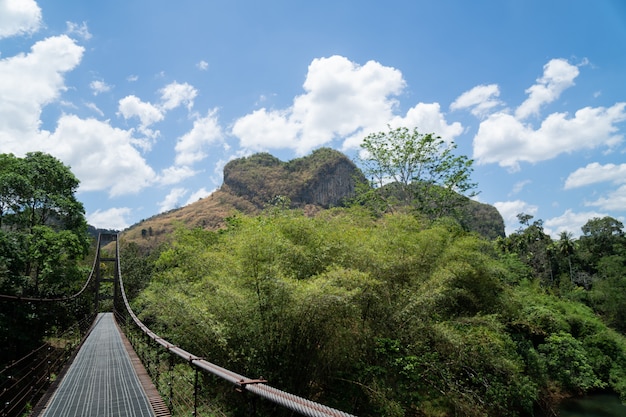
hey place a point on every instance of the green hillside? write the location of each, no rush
(388, 315)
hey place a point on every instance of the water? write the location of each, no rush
(598, 405)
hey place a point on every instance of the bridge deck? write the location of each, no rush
(101, 381)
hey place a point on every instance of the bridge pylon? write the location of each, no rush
(105, 287)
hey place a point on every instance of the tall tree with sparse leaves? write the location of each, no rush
(417, 169)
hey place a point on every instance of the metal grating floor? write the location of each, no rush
(101, 382)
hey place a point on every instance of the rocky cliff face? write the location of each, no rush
(326, 178)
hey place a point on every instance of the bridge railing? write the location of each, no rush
(24, 381)
(171, 364)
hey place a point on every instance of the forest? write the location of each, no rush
(395, 315)
(386, 305)
(390, 305)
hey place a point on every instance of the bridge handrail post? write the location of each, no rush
(195, 392)
(171, 385)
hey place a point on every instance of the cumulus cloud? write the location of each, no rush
(428, 118)
(101, 156)
(507, 138)
(133, 106)
(342, 100)
(569, 222)
(19, 17)
(509, 211)
(99, 87)
(480, 100)
(172, 96)
(113, 218)
(176, 94)
(202, 65)
(558, 75)
(28, 82)
(596, 173)
(191, 147)
(507, 141)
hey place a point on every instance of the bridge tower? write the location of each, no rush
(105, 271)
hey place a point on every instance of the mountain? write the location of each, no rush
(326, 178)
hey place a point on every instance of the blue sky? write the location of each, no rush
(146, 101)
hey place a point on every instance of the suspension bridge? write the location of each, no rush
(116, 366)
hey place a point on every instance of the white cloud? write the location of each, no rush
(509, 211)
(190, 147)
(101, 156)
(480, 100)
(28, 82)
(558, 74)
(615, 200)
(568, 222)
(505, 140)
(198, 195)
(113, 218)
(172, 200)
(132, 106)
(19, 17)
(175, 94)
(175, 174)
(172, 96)
(596, 173)
(81, 30)
(202, 65)
(263, 129)
(342, 100)
(99, 86)
(428, 118)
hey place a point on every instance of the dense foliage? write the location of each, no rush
(43, 240)
(386, 315)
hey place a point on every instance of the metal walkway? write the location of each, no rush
(101, 381)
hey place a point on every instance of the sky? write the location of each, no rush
(147, 100)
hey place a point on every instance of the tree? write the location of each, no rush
(533, 246)
(41, 222)
(566, 247)
(417, 169)
(43, 239)
(602, 237)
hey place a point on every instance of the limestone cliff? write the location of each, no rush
(325, 179)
